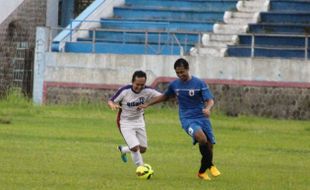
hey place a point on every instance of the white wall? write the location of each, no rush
(111, 69)
(7, 7)
(117, 69)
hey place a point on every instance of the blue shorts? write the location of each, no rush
(192, 125)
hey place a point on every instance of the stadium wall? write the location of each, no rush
(17, 41)
(264, 87)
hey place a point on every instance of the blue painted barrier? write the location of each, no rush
(153, 49)
(290, 5)
(286, 18)
(222, 5)
(279, 28)
(272, 41)
(236, 51)
(172, 26)
(164, 14)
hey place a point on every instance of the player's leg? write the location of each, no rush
(136, 156)
(142, 137)
(205, 150)
(132, 141)
(142, 149)
(194, 130)
(124, 149)
(207, 129)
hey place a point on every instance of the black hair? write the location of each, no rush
(139, 74)
(181, 62)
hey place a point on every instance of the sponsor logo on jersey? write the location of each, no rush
(138, 102)
(191, 92)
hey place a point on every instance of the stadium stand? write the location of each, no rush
(234, 28)
(153, 27)
(282, 32)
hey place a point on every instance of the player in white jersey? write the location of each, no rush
(130, 120)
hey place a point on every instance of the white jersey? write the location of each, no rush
(129, 100)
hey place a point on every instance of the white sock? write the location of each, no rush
(137, 158)
(125, 149)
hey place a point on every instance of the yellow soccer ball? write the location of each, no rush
(144, 172)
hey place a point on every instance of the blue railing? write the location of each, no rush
(154, 41)
(62, 36)
(297, 49)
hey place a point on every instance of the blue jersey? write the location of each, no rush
(191, 96)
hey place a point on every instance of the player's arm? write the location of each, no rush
(207, 98)
(155, 100)
(115, 101)
(208, 105)
(113, 105)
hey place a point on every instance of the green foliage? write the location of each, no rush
(74, 147)
(14, 97)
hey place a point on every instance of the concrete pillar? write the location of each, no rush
(42, 36)
(52, 15)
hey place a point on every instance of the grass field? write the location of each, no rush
(74, 147)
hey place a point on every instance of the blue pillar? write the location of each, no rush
(67, 12)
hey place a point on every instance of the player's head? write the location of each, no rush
(181, 68)
(138, 81)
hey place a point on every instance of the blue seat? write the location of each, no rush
(169, 26)
(125, 32)
(207, 5)
(286, 17)
(167, 14)
(236, 51)
(117, 48)
(280, 28)
(280, 33)
(290, 5)
(272, 41)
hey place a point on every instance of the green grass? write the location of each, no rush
(74, 147)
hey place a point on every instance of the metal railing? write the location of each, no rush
(74, 31)
(305, 48)
(164, 38)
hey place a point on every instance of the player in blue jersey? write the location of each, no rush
(195, 102)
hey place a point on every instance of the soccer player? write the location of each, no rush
(130, 120)
(195, 102)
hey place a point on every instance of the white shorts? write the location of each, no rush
(134, 135)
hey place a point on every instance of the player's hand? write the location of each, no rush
(142, 106)
(115, 106)
(206, 112)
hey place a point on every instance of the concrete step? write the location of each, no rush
(241, 17)
(236, 22)
(253, 3)
(239, 20)
(253, 6)
(217, 43)
(213, 51)
(251, 9)
(222, 28)
(239, 14)
(218, 37)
